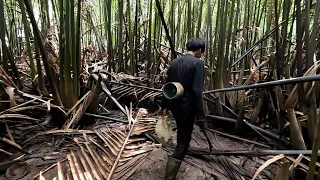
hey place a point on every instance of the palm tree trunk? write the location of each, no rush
(56, 97)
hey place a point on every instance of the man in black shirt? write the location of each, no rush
(188, 70)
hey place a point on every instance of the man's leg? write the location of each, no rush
(184, 131)
(184, 137)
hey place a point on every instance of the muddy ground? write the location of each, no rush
(154, 166)
(154, 169)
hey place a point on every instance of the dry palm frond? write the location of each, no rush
(5, 117)
(112, 151)
(296, 162)
(40, 176)
(18, 106)
(292, 99)
(15, 110)
(72, 121)
(60, 132)
(253, 78)
(299, 163)
(60, 173)
(267, 163)
(6, 79)
(78, 103)
(300, 119)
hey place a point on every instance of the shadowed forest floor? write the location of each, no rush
(154, 166)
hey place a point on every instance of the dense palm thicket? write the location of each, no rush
(247, 42)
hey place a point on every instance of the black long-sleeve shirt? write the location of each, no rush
(189, 71)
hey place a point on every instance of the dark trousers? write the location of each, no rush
(185, 126)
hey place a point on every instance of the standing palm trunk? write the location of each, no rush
(56, 97)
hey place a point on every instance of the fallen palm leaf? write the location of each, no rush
(92, 167)
(88, 174)
(6, 79)
(60, 132)
(267, 163)
(18, 106)
(300, 164)
(293, 96)
(80, 111)
(296, 162)
(300, 119)
(78, 103)
(18, 116)
(95, 159)
(120, 153)
(309, 159)
(72, 167)
(110, 150)
(40, 176)
(60, 173)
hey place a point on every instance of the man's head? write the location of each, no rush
(197, 46)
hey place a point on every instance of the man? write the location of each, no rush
(188, 70)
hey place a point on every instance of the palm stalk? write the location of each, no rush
(76, 65)
(56, 96)
(214, 49)
(200, 19)
(284, 32)
(315, 147)
(189, 19)
(306, 23)
(209, 37)
(62, 52)
(27, 33)
(178, 24)
(312, 46)
(73, 52)
(130, 38)
(299, 32)
(68, 57)
(136, 43)
(172, 27)
(120, 42)
(47, 14)
(149, 56)
(2, 36)
(227, 57)
(220, 66)
(39, 70)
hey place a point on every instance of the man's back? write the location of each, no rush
(182, 70)
(189, 72)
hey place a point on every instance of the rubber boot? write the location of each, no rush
(172, 168)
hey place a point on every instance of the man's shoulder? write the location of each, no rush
(189, 59)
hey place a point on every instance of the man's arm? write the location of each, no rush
(198, 89)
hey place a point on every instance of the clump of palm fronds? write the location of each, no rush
(112, 151)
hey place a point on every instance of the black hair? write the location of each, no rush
(194, 44)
